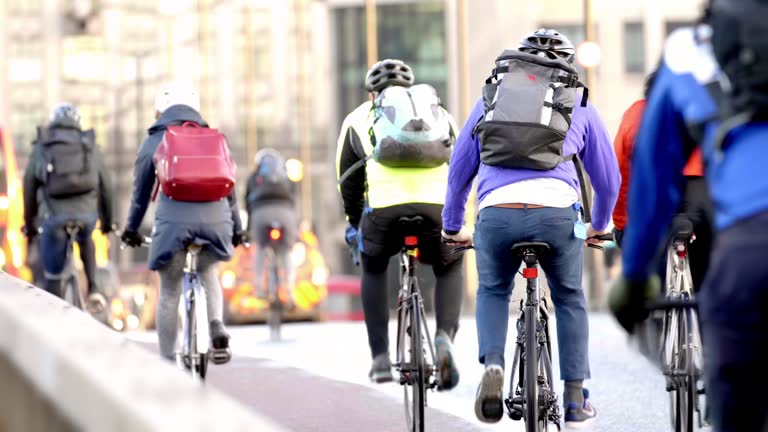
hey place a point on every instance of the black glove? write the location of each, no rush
(30, 232)
(628, 300)
(240, 238)
(108, 228)
(132, 238)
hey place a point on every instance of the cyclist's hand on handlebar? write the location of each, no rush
(240, 238)
(461, 238)
(30, 232)
(132, 238)
(628, 299)
(596, 237)
(108, 228)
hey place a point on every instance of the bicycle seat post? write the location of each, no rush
(191, 262)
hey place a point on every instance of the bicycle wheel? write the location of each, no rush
(417, 372)
(687, 390)
(531, 372)
(71, 292)
(274, 314)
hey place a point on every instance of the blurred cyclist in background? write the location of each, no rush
(270, 201)
(711, 92)
(66, 180)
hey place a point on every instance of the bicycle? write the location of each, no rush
(416, 371)
(680, 341)
(70, 292)
(532, 397)
(194, 348)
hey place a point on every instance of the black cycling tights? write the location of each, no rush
(448, 298)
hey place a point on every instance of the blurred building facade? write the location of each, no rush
(284, 73)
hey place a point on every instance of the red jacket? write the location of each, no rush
(623, 145)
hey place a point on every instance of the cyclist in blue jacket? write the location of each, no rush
(718, 64)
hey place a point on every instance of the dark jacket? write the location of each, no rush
(179, 223)
(38, 206)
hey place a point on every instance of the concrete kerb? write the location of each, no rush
(100, 381)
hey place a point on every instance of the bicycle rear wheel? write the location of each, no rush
(71, 292)
(414, 405)
(197, 361)
(275, 311)
(531, 371)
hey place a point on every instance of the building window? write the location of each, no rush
(413, 32)
(671, 26)
(634, 48)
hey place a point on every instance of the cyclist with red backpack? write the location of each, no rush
(196, 203)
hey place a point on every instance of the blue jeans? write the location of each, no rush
(496, 231)
(53, 246)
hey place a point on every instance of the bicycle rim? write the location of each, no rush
(191, 341)
(403, 364)
(417, 357)
(690, 380)
(531, 372)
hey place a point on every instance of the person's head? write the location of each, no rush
(548, 43)
(176, 94)
(65, 113)
(389, 72)
(267, 159)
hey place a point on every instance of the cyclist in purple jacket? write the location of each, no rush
(533, 205)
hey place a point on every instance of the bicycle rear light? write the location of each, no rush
(275, 234)
(531, 272)
(411, 241)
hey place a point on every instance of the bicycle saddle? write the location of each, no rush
(539, 248)
(410, 223)
(682, 228)
(72, 227)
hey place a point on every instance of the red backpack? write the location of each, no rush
(192, 163)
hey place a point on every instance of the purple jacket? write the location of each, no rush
(587, 136)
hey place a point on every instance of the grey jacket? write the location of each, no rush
(38, 206)
(179, 223)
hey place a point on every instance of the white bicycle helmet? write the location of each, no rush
(548, 43)
(177, 94)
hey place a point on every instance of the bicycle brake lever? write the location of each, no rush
(461, 249)
(594, 246)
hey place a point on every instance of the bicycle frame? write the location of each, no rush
(410, 293)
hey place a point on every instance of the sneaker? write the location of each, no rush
(449, 374)
(381, 369)
(489, 407)
(220, 352)
(579, 417)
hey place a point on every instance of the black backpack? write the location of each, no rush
(70, 161)
(740, 46)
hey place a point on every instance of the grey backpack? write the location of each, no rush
(528, 105)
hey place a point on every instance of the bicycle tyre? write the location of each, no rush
(690, 379)
(71, 292)
(274, 312)
(417, 358)
(197, 361)
(531, 372)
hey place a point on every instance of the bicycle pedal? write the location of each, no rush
(220, 356)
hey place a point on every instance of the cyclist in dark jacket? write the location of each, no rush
(270, 200)
(214, 225)
(54, 212)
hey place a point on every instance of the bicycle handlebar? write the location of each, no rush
(671, 304)
(602, 237)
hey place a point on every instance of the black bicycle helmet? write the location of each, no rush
(549, 43)
(65, 112)
(386, 73)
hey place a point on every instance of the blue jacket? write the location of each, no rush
(178, 223)
(679, 103)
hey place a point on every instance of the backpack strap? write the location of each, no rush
(582, 185)
(572, 80)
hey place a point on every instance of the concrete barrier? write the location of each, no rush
(60, 370)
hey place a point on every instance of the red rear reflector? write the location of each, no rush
(411, 241)
(530, 272)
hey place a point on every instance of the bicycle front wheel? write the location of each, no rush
(532, 423)
(417, 378)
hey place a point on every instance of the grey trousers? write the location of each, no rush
(171, 277)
